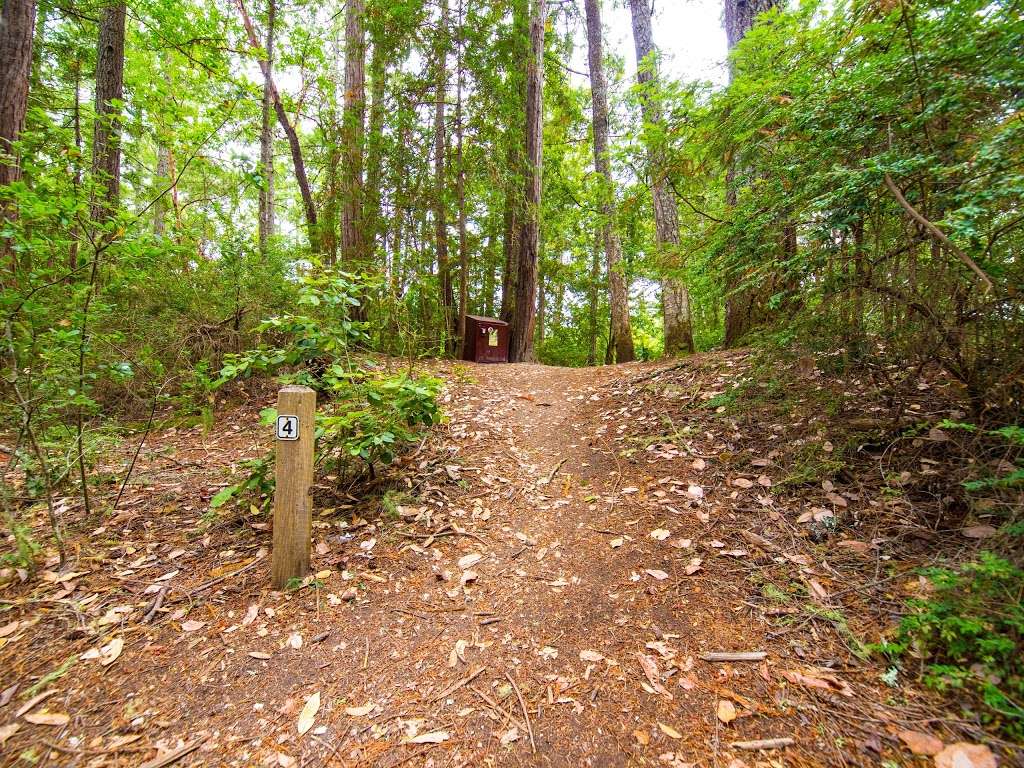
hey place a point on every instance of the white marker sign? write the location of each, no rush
(287, 427)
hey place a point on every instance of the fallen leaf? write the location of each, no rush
(726, 711)
(643, 738)
(250, 615)
(111, 651)
(964, 755)
(34, 701)
(693, 566)
(660, 534)
(7, 731)
(698, 464)
(817, 679)
(978, 531)
(458, 653)
(192, 625)
(295, 640)
(654, 573)
(259, 655)
(653, 674)
(615, 543)
(859, 547)
(591, 656)
(921, 743)
(468, 561)
(836, 499)
(817, 591)
(308, 713)
(742, 482)
(8, 629)
(47, 718)
(669, 731)
(360, 711)
(512, 734)
(434, 737)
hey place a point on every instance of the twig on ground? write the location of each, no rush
(763, 743)
(176, 755)
(526, 714)
(459, 684)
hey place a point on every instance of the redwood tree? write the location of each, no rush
(17, 24)
(618, 291)
(354, 136)
(106, 132)
(524, 313)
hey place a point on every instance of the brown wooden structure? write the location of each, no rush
(486, 340)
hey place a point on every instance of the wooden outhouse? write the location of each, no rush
(486, 340)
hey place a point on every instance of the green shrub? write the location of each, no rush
(365, 415)
(970, 633)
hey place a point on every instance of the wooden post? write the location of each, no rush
(293, 500)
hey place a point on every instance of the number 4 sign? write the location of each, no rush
(287, 427)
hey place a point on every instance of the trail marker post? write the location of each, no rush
(293, 499)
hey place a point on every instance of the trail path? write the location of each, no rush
(551, 556)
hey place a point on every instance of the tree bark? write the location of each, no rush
(742, 305)
(460, 190)
(675, 298)
(444, 273)
(17, 25)
(374, 226)
(524, 314)
(266, 202)
(595, 278)
(353, 251)
(509, 248)
(106, 133)
(618, 289)
(309, 207)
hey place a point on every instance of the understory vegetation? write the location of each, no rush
(197, 198)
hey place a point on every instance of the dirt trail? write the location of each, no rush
(542, 559)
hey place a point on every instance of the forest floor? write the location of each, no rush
(541, 587)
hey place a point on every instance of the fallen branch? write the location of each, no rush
(738, 656)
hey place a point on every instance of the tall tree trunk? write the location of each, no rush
(618, 290)
(521, 336)
(106, 133)
(374, 227)
(460, 191)
(353, 252)
(542, 308)
(595, 279)
(514, 161)
(308, 206)
(490, 276)
(675, 298)
(440, 220)
(509, 250)
(17, 25)
(742, 304)
(266, 203)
